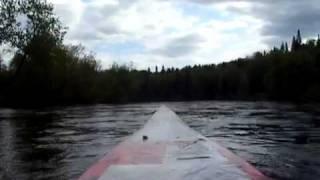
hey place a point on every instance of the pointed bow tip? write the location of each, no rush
(164, 112)
(164, 108)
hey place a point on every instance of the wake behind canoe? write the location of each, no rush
(167, 149)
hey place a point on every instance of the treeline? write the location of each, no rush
(44, 71)
(280, 75)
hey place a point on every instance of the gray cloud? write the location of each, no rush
(109, 29)
(285, 18)
(180, 46)
(96, 21)
(84, 35)
(65, 13)
(281, 18)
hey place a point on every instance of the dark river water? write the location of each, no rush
(281, 140)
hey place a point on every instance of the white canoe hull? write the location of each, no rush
(167, 149)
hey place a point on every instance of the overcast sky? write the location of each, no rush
(183, 32)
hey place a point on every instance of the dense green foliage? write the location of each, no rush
(46, 72)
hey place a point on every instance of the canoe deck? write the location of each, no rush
(167, 149)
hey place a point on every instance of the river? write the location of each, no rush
(282, 140)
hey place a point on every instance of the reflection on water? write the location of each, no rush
(281, 140)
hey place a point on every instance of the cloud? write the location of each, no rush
(281, 18)
(292, 16)
(180, 46)
(183, 32)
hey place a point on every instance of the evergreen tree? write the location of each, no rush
(163, 69)
(293, 44)
(282, 47)
(156, 69)
(299, 39)
(286, 47)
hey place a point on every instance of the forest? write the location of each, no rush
(44, 71)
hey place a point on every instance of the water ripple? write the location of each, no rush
(282, 140)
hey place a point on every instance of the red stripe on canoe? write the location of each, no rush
(127, 153)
